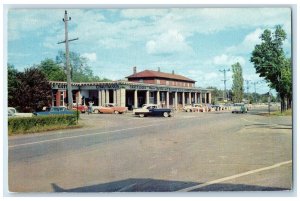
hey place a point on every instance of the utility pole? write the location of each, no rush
(224, 92)
(255, 83)
(68, 70)
(247, 83)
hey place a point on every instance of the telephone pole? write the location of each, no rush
(68, 70)
(255, 96)
(224, 92)
(247, 83)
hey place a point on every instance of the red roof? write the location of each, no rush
(154, 74)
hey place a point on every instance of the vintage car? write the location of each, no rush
(152, 110)
(198, 108)
(188, 108)
(81, 108)
(57, 110)
(109, 108)
(12, 112)
(239, 108)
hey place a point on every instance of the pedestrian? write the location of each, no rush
(91, 103)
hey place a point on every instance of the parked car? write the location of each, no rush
(81, 108)
(12, 112)
(239, 108)
(198, 108)
(57, 110)
(188, 108)
(152, 110)
(110, 108)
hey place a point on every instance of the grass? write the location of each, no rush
(44, 129)
(288, 112)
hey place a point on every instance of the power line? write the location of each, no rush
(247, 87)
(66, 41)
(225, 91)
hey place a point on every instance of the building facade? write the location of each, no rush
(166, 90)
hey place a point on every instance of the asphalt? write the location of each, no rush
(131, 154)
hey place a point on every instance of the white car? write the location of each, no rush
(12, 112)
(188, 108)
(145, 108)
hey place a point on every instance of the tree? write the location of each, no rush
(32, 91)
(216, 94)
(238, 83)
(52, 70)
(271, 63)
(11, 83)
(80, 71)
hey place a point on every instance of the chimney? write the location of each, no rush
(158, 69)
(173, 72)
(134, 70)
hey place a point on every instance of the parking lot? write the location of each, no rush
(215, 151)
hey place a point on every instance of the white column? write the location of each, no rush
(115, 97)
(102, 97)
(183, 99)
(99, 98)
(118, 94)
(167, 99)
(190, 98)
(205, 98)
(158, 98)
(196, 98)
(200, 97)
(176, 100)
(209, 97)
(135, 101)
(147, 97)
(107, 96)
(122, 97)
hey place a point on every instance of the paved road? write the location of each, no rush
(216, 151)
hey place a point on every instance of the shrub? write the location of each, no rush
(37, 123)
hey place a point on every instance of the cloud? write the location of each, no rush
(227, 60)
(168, 43)
(92, 57)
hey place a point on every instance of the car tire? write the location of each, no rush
(116, 112)
(166, 114)
(96, 111)
(141, 115)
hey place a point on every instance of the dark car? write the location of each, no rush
(152, 110)
(54, 111)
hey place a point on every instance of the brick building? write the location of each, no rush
(165, 89)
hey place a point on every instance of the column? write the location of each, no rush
(209, 97)
(122, 97)
(190, 98)
(176, 100)
(115, 96)
(196, 98)
(107, 96)
(135, 100)
(158, 98)
(183, 99)
(167, 99)
(147, 97)
(205, 98)
(102, 97)
(99, 98)
(118, 94)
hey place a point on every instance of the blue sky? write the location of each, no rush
(196, 43)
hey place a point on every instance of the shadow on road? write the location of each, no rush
(153, 185)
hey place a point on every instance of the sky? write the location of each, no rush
(196, 43)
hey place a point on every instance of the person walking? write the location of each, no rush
(91, 103)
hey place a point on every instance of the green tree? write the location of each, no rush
(238, 83)
(11, 83)
(271, 63)
(216, 94)
(52, 70)
(80, 71)
(32, 91)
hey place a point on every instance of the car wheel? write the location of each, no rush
(96, 111)
(141, 115)
(116, 112)
(166, 114)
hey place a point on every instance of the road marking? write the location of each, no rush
(234, 176)
(77, 136)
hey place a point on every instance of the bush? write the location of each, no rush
(38, 123)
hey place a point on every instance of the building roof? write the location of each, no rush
(153, 74)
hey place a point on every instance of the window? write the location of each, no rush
(157, 81)
(167, 82)
(62, 98)
(141, 80)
